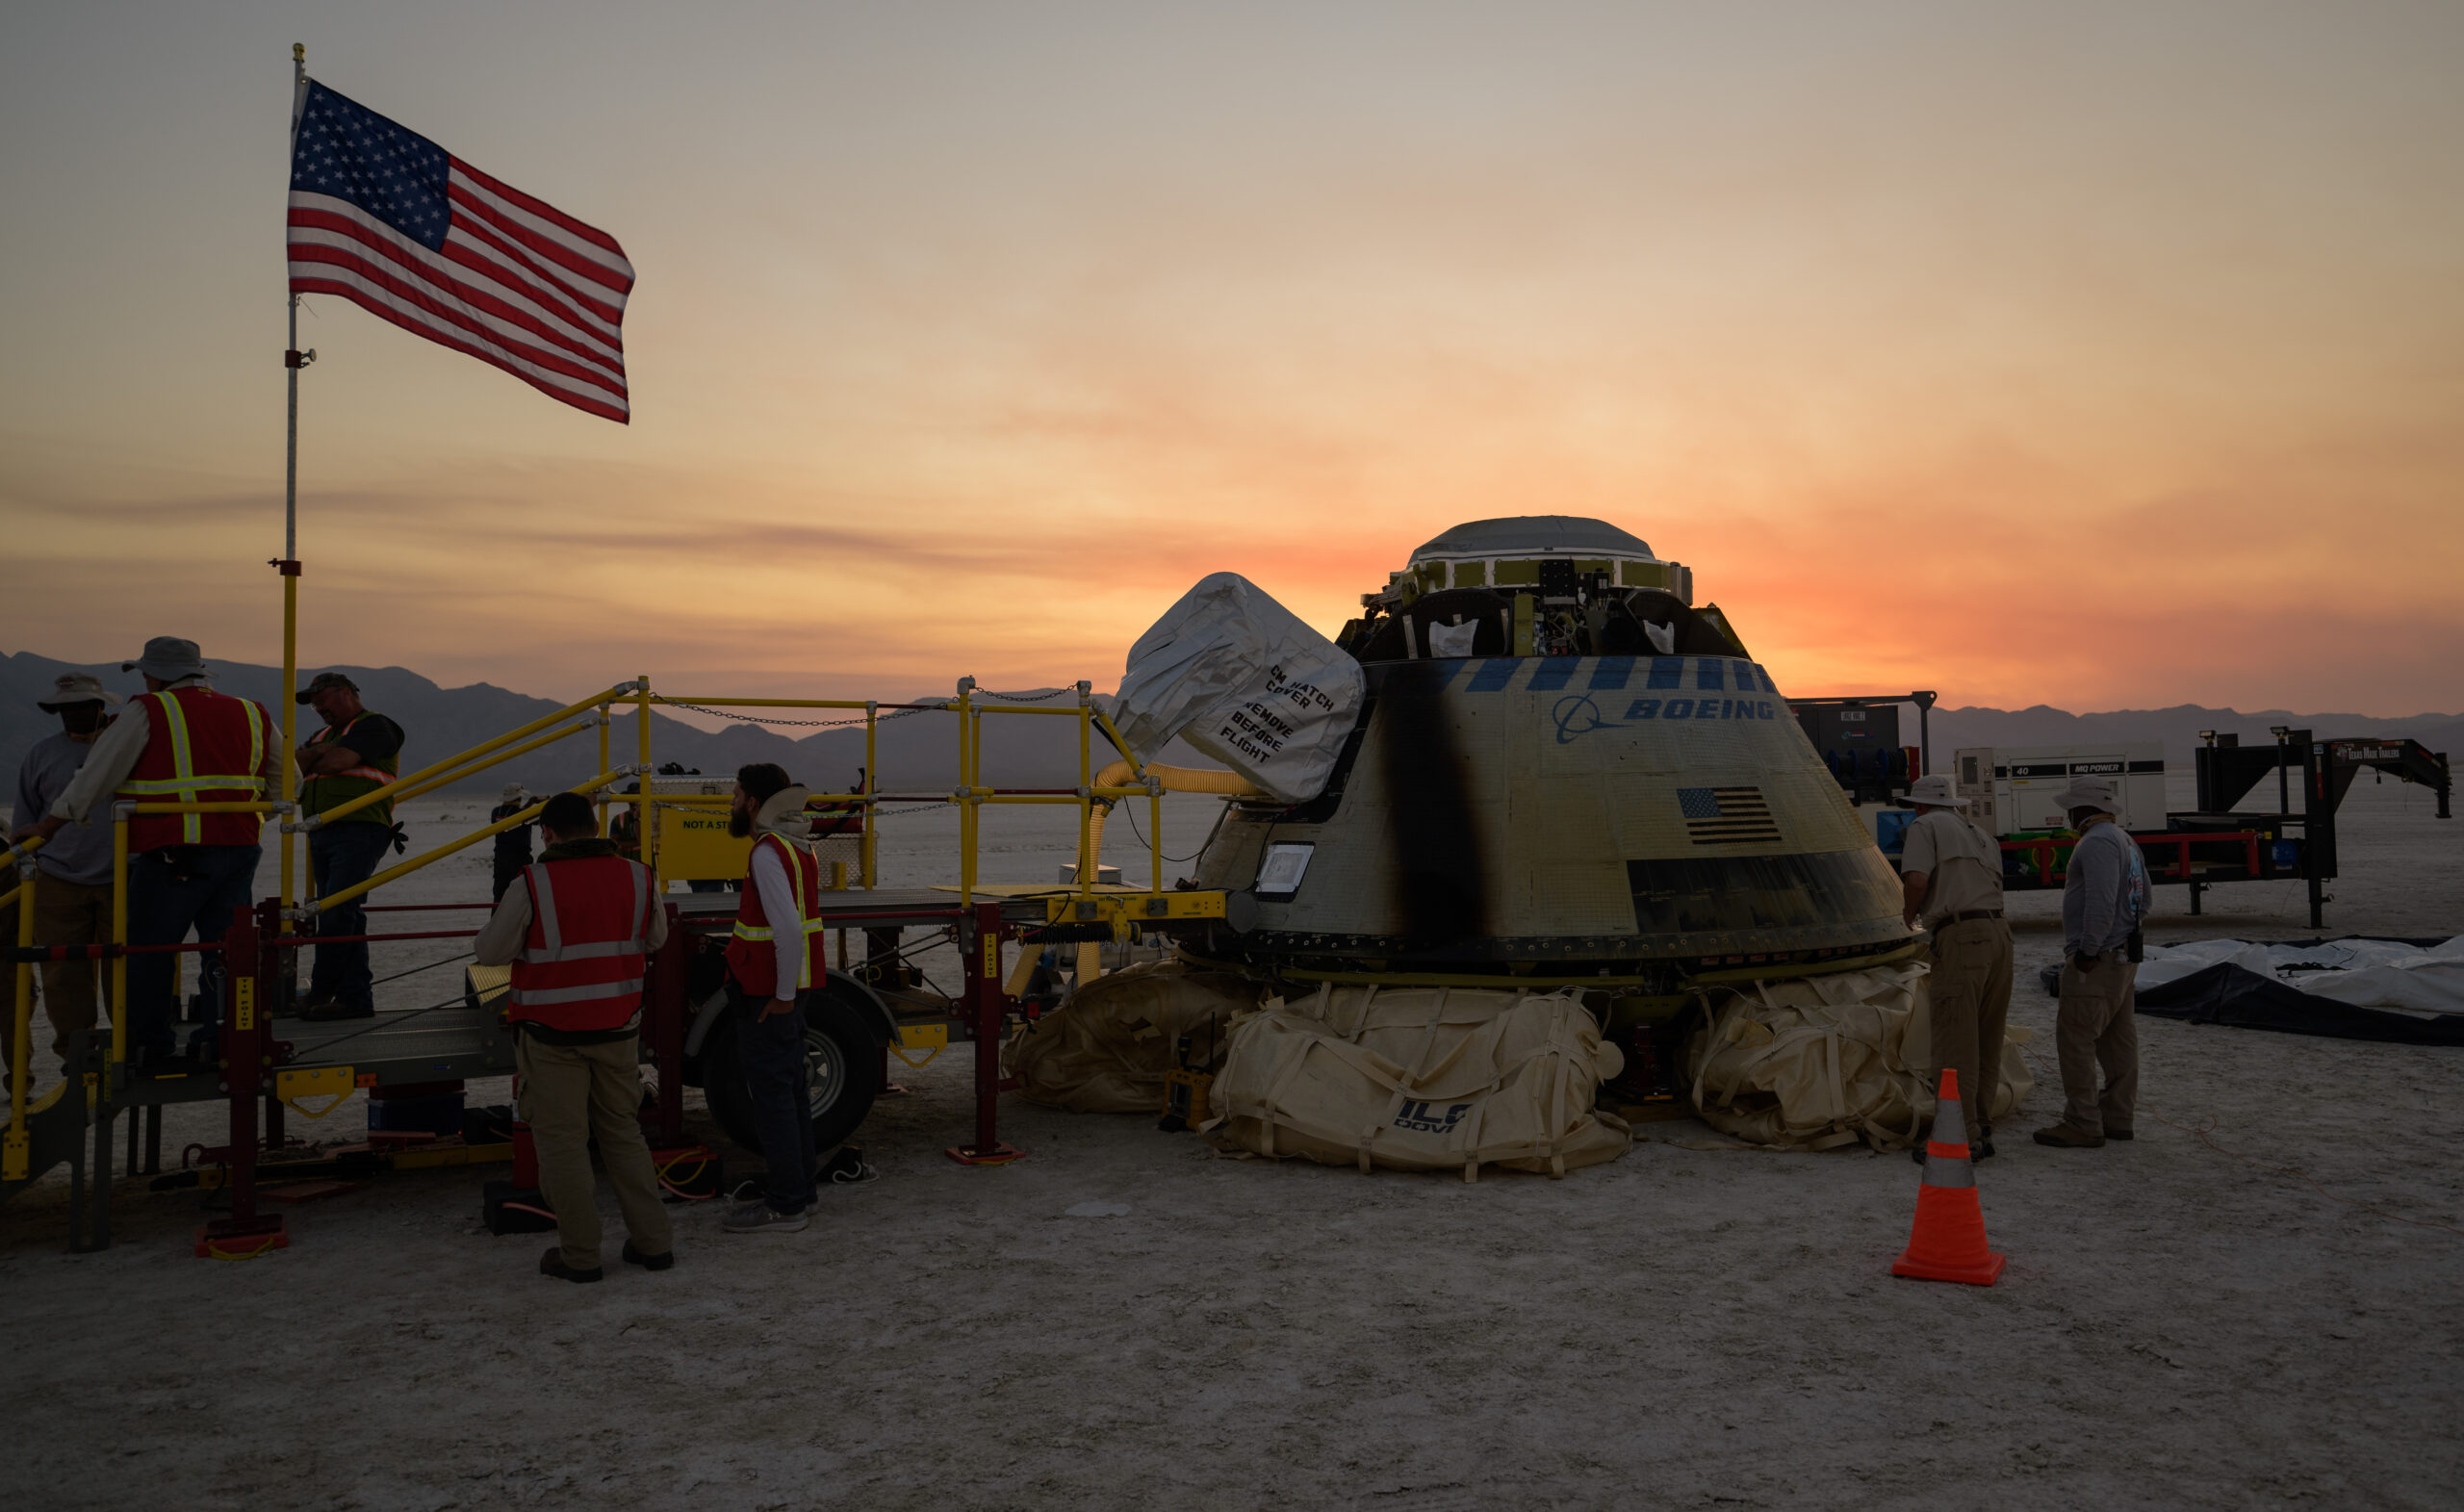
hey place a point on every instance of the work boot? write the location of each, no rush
(553, 1263)
(634, 1257)
(2120, 1134)
(2063, 1136)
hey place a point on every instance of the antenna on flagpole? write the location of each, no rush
(288, 564)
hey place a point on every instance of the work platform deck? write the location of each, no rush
(459, 1042)
(400, 1047)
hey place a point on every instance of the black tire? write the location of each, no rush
(842, 1054)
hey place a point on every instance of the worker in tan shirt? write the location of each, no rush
(1951, 885)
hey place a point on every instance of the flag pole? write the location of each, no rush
(289, 563)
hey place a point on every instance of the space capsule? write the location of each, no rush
(1561, 772)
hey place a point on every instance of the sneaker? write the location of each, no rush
(634, 1257)
(2063, 1136)
(313, 998)
(553, 1263)
(760, 1217)
(334, 1009)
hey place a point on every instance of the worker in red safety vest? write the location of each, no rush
(178, 741)
(578, 930)
(774, 956)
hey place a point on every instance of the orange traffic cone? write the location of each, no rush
(1948, 1241)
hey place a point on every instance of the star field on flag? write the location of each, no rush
(398, 226)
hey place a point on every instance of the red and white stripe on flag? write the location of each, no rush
(390, 221)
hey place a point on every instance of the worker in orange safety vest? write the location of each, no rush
(578, 930)
(774, 956)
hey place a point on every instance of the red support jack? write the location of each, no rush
(990, 1006)
(247, 1050)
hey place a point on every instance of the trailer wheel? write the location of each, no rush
(842, 1059)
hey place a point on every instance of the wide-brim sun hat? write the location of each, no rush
(1934, 791)
(71, 688)
(168, 658)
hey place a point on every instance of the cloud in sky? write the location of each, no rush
(2096, 358)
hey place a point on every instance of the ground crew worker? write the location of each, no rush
(578, 932)
(178, 741)
(2103, 898)
(357, 752)
(776, 956)
(72, 893)
(625, 829)
(1951, 883)
(513, 846)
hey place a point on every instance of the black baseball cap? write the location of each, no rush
(320, 683)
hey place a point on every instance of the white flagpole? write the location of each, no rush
(288, 564)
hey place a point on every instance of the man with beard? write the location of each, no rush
(776, 956)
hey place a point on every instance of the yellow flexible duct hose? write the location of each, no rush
(1175, 780)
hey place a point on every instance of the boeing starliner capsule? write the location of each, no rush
(1559, 772)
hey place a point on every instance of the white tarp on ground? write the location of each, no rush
(2362, 973)
(1244, 679)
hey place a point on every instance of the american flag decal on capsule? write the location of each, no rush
(1727, 815)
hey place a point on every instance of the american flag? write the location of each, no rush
(398, 226)
(1727, 815)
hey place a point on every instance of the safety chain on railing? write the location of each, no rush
(1034, 695)
(739, 717)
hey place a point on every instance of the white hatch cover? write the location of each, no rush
(1245, 680)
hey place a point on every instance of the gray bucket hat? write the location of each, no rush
(75, 687)
(169, 659)
(2087, 792)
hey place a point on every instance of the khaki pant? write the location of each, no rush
(2096, 1028)
(1969, 992)
(569, 1093)
(66, 913)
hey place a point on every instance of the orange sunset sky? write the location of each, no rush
(2103, 355)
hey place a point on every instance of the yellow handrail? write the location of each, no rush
(397, 786)
(120, 934)
(430, 857)
(646, 825)
(403, 791)
(971, 795)
(21, 1039)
